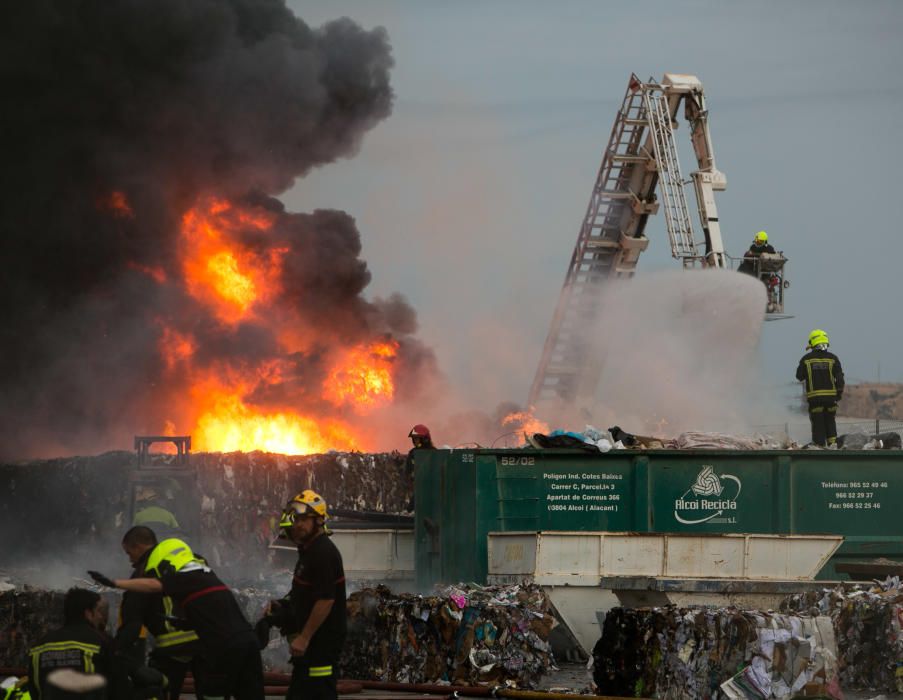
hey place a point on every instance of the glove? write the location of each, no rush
(101, 579)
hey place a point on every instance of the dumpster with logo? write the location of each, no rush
(657, 526)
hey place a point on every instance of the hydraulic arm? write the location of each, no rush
(640, 157)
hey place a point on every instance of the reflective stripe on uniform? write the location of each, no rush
(170, 639)
(810, 392)
(89, 650)
(320, 671)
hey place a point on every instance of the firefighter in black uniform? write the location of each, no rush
(823, 376)
(759, 245)
(312, 616)
(174, 648)
(228, 662)
(80, 645)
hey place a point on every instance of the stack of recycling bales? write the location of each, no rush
(868, 624)
(674, 652)
(465, 635)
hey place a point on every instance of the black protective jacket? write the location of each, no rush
(80, 647)
(823, 375)
(151, 610)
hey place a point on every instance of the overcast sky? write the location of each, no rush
(469, 197)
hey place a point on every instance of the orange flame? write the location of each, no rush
(219, 270)
(228, 424)
(363, 377)
(238, 282)
(525, 422)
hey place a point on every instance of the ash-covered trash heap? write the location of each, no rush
(463, 635)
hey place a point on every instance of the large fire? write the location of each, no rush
(236, 282)
(363, 378)
(219, 270)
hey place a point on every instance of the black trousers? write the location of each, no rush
(174, 668)
(313, 680)
(824, 424)
(236, 672)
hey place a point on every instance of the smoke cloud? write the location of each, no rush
(120, 117)
(679, 353)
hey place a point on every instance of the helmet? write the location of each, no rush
(761, 237)
(306, 504)
(169, 554)
(818, 337)
(420, 431)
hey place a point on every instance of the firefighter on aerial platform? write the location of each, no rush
(759, 245)
(823, 377)
(312, 615)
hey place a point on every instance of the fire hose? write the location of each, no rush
(276, 683)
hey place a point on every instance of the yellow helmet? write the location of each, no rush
(306, 504)
(761, 237)
(169, 554)
(818, 337)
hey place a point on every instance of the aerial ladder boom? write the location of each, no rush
(640, 157)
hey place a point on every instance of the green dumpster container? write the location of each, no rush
(462, 495)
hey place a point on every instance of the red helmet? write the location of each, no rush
(420, 431)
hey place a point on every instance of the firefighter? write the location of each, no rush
(312, 615)
(153, 511)
(759, 245)
(822, 374)
(174, 649)
(228, 660)
(80, 645)
(420, 436)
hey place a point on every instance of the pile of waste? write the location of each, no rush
(868, 624)
(232, 505)
(593, 440)
(463, 635)
(674, 652)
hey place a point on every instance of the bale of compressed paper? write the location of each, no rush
(464, 635)
(697, 652)
(868, 625)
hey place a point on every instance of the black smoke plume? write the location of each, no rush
(118, 117)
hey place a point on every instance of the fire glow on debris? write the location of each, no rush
(525, 422)
(230, 425)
